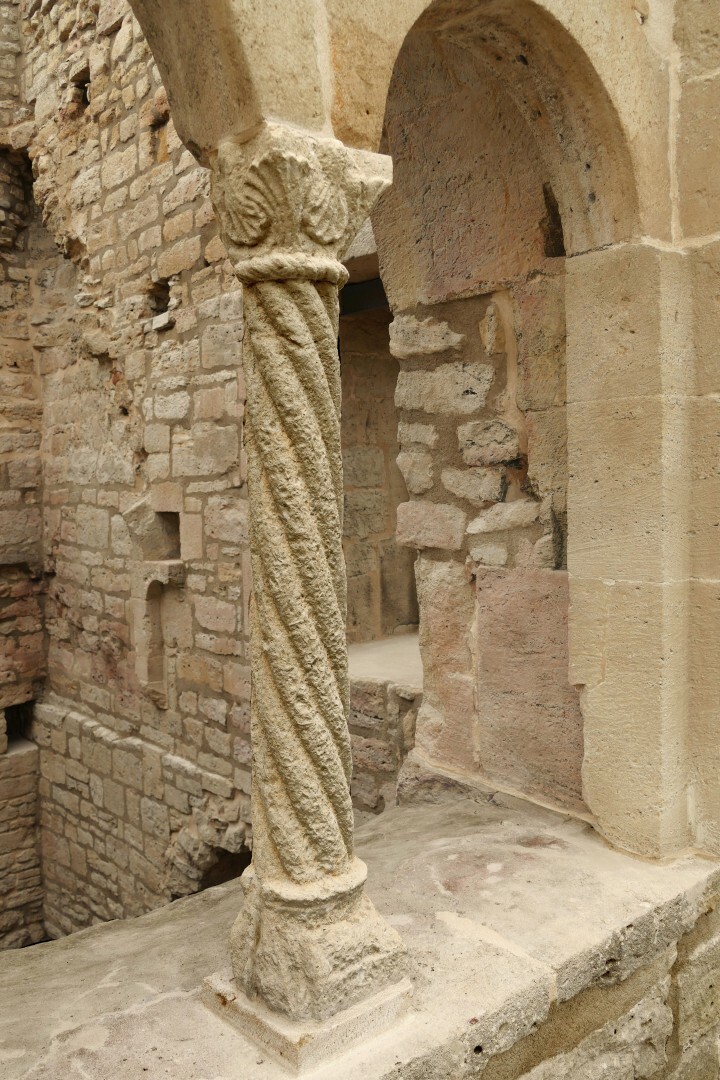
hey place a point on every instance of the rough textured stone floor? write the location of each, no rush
(504, 908)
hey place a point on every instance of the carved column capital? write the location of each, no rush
(290, 204)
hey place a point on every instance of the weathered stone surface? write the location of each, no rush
(477, 486)
(21, 893)
(445, 724)
(137, 400)
(505, 516)
(452, 389)
(410, 336)
(488, 442)
(631, 1047)
(424, 524)
(529, 730)
(422, 434)
(470, 871)
(417, 470)
(335, 948)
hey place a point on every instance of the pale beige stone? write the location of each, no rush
(529, 728)
(313, 199)
(488, 442)
(503, 516)
(478, 486)
(421, 434)
(423, 524)
(517, 134)
(410, 337)
(452, 389)
(417, 469)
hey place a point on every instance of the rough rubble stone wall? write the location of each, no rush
(10, 52)
(34, 317)
(382, 598)
(27, 262)
(476, 284)
(143, 727)
(142, 411)
(382, 731)
(21, 892)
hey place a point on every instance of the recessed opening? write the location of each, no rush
(226, 866)
(159, 296)
(552, 227)
(382, 598)
(17, 720)
(156, 681)
(168, 535)
(80, 90)
(158, 126)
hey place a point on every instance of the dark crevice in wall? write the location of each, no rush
(227, 866)
(17, 720)
(552, 227)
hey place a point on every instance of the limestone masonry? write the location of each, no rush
(360, 468)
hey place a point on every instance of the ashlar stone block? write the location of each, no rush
(423, 524)
(455, 389)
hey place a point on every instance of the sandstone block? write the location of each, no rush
(641, 523)
(488, 442)
(452, 389)
(210, 449)
(24, 472)
(209, 404)
(619, 303)
(156, 438)
(179, 257)
(215, 614)
(93, 525)
(191, 536)
(226, 518)
(697, 162)
(366, 513)
(422, 434)
(119, 167)
(698, 1000)
(422, 524)
(529, 723)
(221, 346)
(173, 406)
(478, 486)
(110, 16)
(417, 469)
(504, 516)
(410, 336)
(488, 552)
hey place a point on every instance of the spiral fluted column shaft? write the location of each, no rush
(308, 942)
(303, 814)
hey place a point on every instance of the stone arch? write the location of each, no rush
(506, 244)
(535, 92)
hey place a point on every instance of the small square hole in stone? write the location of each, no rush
(17, 720)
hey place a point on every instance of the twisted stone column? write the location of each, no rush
(307, 941)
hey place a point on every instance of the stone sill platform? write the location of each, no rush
(534, 950)
(394, 659)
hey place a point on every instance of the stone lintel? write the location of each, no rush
(303, 1046)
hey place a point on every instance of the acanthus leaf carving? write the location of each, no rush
(284, 192)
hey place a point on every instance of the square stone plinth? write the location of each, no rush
(535, 951)
(302, 1046)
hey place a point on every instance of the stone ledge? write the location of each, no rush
(530, 944)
